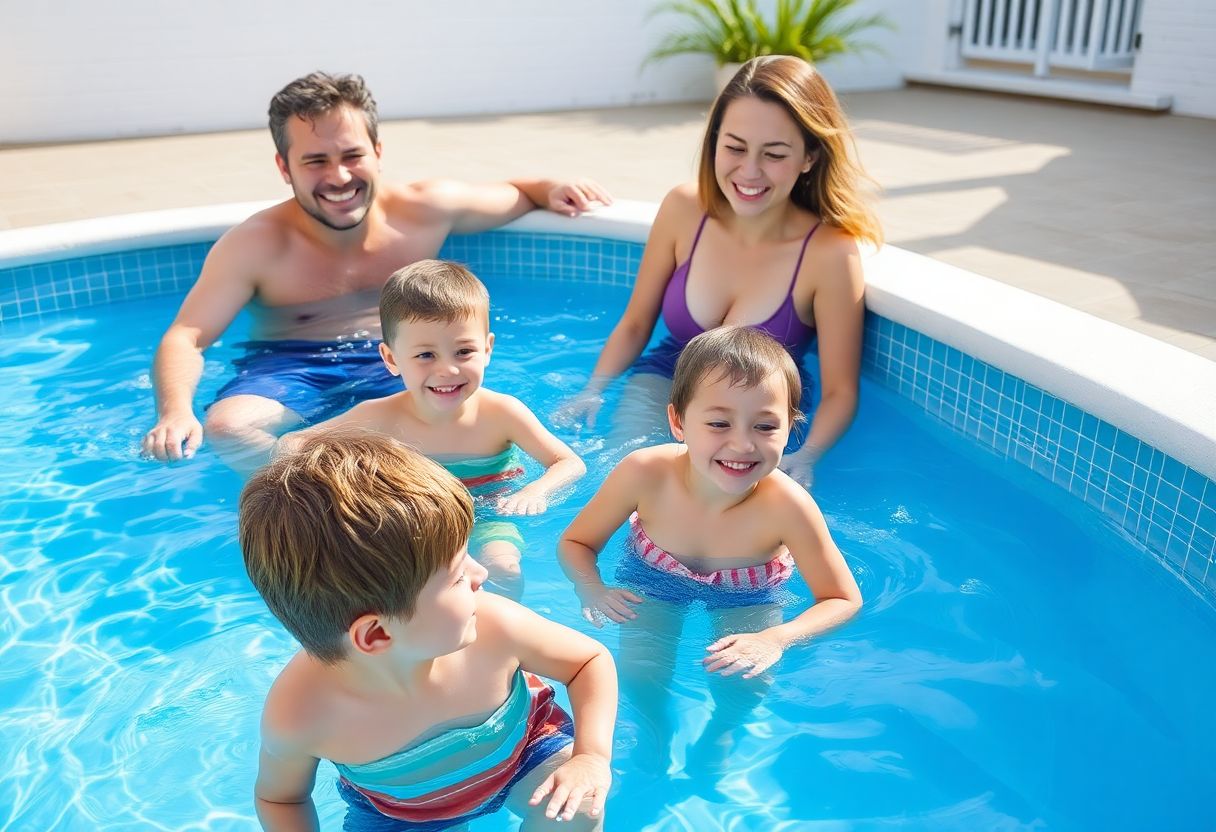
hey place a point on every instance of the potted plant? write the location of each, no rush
(735, 31)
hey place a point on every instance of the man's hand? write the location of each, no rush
(165, 441)
(575, 197)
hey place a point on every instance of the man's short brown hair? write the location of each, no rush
(431, 290)
(318, 94)
(743, 354)
(349, 523)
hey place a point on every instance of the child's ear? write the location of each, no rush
(368, 635)
(386, 355)
(673, 422)
(489, 344)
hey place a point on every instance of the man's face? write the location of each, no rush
(332, 167)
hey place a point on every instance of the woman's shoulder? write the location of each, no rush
(681, 202)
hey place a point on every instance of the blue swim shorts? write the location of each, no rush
(315, 379)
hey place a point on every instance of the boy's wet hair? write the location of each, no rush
(318, 94)
(431, 290)
(742, 354)
(349, 523)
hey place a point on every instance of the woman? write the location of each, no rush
(767, 236)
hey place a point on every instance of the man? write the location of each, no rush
(310, 270)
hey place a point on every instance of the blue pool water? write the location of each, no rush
(1018, 664)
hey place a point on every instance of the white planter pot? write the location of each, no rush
(722, 76)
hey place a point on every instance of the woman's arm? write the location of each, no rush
(839, 313)
(631, 333)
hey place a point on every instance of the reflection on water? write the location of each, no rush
(1016, 665)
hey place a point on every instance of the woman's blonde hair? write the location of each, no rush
(831, 189)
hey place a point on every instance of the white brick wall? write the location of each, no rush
(77, 69)
(1178, 54)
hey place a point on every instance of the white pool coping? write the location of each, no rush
(1163, 395)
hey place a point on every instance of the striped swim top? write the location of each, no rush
(400, 786)
(763, 575)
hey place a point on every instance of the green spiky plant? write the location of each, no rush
(733, 31)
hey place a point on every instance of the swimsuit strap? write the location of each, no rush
(697, 238)
(802, 253)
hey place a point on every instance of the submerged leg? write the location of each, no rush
(648, 656)
(243, 429)
(733, 698)
(501, 559)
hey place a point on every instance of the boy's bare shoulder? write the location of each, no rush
(296, 713)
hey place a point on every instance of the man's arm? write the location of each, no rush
(224, 286)
(479, 207)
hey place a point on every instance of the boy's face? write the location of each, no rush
(442, 363)
(445, 615)
(734, 434)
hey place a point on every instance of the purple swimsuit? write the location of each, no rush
(784, 324)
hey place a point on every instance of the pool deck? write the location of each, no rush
(1109, 211)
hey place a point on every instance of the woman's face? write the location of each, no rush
(759, 156)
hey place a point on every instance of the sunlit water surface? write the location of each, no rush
(1018, 665)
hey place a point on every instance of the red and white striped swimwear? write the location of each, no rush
(666, 578)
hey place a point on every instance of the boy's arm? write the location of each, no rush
(562, 465)
(586, 668)
(585, 537)
(283, 792)
(837, 597)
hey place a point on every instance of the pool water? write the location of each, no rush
(1017, 665)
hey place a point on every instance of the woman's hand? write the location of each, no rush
(581, 408)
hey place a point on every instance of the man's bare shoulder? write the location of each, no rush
(260, 238)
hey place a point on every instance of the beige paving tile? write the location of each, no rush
(1104, 209)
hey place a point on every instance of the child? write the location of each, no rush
(417, 685)
(712, 519)
(436, 321)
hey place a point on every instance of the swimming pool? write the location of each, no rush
(1026, 659)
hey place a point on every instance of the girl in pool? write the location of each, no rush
(711, 519)
(766, 236)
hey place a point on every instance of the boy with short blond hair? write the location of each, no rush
(417, 685)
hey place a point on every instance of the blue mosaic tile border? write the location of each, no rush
(547, 256)
(1167, 508)
(99, 278)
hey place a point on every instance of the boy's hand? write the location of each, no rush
(607, 601)
(523, 502)
(751, 652)
(582, 776)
